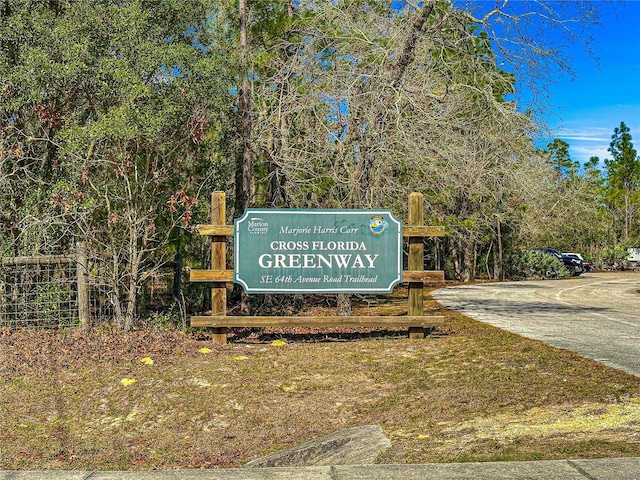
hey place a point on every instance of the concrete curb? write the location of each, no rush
(590, 469)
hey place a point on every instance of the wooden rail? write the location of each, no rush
(39, 260)
(219, 276)
(318, 321)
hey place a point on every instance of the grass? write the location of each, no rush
(467, 392)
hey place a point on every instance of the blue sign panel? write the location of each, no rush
(322, 251)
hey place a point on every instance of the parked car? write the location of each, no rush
(585, 264)
(633, 260)
(574, 265)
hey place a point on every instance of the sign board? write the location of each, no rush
(321, 251)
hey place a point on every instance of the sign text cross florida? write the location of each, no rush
(321, 251)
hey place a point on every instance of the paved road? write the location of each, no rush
(596, 315)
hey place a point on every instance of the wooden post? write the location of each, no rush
(416, 262)
(218, 262)
(82, 281)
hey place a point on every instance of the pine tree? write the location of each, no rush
(623, 179)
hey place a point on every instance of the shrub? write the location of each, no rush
(613, 258)
(531, 265)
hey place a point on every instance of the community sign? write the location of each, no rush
(322, 251)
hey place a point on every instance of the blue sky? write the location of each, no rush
(586, 110)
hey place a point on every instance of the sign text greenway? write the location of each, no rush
(323, 251)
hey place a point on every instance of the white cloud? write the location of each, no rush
(583, 138)
(582, 153)
(586, 142)
(591, 134)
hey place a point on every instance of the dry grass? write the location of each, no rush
(468, 392)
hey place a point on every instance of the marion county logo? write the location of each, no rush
(377, 225)
(257, 226)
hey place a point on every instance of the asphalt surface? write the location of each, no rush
(596, 314)
(595, 469)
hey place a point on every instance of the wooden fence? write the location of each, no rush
(72, 290)
(45, 290)
(415, 276)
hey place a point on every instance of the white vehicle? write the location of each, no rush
(634, 255)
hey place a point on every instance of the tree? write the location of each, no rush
(561, 159)
(567, 211)
(112, 112)
(623, 179)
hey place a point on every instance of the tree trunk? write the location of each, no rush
(499, 275)
(243, 163)
(455, 258)
(627, 214)
(406, 58)
(343, 307)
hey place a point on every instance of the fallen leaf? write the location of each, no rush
(288, 388)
